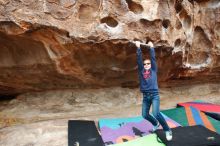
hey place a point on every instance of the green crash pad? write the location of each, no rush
(179, 115)
(148, 140)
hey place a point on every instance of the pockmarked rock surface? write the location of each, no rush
(77, 44)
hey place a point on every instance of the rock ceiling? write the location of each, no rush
(62, 44)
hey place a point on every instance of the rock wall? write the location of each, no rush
(62, 44)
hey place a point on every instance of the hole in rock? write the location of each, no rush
(148, 23)
(109, 21)
(177, 43)
(178, 24)
(134, 7)
(166, 23)
(178, 6)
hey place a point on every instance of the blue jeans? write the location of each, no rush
(154, 99)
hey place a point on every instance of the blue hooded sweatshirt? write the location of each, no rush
(150, 84)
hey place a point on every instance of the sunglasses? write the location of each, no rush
(147, 63)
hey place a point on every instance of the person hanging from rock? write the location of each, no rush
(147, 73)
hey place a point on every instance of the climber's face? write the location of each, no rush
(147, 64)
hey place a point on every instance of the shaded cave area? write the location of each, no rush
(32, 62)
(46, 58)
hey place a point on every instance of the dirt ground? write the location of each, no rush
(40, 119)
